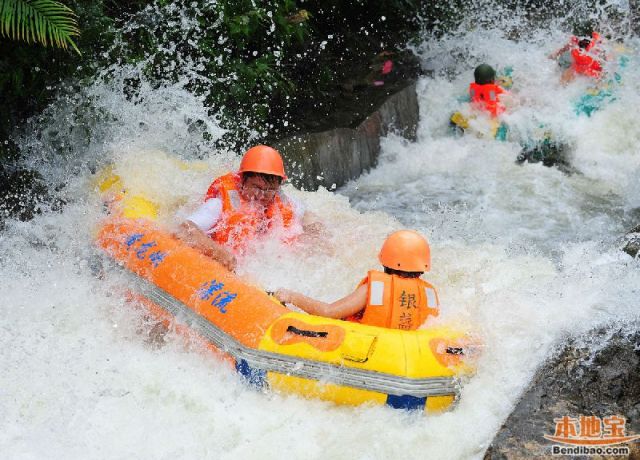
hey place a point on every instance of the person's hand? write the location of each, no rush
(228, 260)
(314, 228)
(200, 241)
(221, 255)
(316, 244)
(284, 295)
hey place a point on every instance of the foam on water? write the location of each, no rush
(525, 255)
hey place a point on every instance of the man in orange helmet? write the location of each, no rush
(397, 298)
(240, 206)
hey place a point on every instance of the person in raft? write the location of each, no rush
(484, 93)
(396, 299)
(581, 56)
(241, 206)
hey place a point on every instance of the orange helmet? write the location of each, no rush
(263, 159)
(406, 250)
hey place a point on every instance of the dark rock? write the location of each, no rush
(360, 88)
(633, 242)
(634, 16)
(331, 158)
(549, 153)
(599, 376)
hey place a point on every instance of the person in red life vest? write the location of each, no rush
(581, 56)
(484, 93)
(396, 298)
(241, 206)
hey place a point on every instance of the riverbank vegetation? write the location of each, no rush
(259, 63)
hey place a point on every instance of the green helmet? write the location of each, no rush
(484, 74)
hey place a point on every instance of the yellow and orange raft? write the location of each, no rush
(335, 360)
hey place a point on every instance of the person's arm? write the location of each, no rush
(557, 53)
(339, 309)
(194, 232)
(197, 239)
(311, 224)
(315, 234)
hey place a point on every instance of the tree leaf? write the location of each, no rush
(39, 21)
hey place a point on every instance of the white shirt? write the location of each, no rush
(209, 213)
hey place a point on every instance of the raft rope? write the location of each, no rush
(292, 365)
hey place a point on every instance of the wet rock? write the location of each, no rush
(549, 153)
(360, 87)
(332, 157)
(339, 139)
(634, 16)
(633, 242)
(598, 374)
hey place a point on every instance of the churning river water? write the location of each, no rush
(523, 255)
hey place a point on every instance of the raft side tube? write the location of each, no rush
(333, 359)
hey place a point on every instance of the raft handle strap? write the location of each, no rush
(304, 333)
(455, 350)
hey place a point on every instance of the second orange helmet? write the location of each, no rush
(406, 250)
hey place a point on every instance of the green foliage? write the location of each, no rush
(31, 75)
(39, 21)
(236, 54)
(262, 66)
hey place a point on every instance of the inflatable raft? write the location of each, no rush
(272, 346)
(603, 92)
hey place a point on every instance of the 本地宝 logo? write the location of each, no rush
(591, 435)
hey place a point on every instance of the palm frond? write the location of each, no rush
(47, 22)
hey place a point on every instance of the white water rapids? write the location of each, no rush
(525, 255)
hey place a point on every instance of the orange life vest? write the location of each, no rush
(486, 97)
(240, 221)
(585, 61)
(395, 302)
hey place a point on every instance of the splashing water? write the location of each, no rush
(525, 254)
